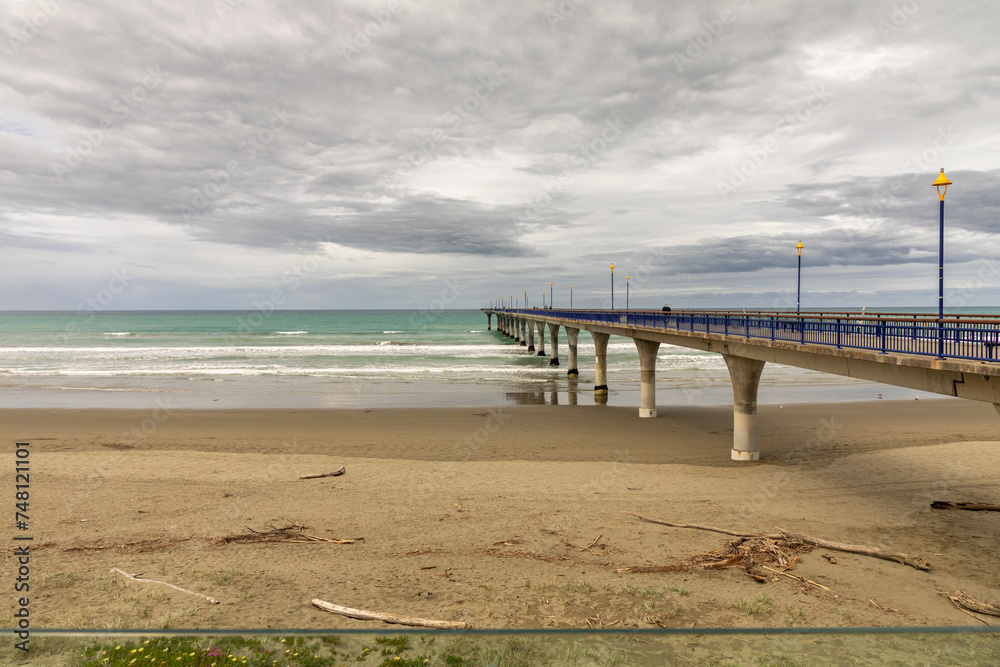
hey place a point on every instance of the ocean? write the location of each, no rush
(346, 359)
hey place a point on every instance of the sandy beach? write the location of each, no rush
(511, 518)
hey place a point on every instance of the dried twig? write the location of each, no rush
(878, 606)
(959, 607)
(289, 533)
(151, 581)
(697, 527)
(140, 547)
(913, 561)
(905, 559)
(975, 604)
(317, 475)
(388, 618)
(975, 507)
(796, 577)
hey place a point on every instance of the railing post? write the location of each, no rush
(772, 327)
(725, 320)
(838, 333)
(802, 330)
(881, 325)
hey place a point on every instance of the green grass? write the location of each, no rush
(760, 605)
(484, 651)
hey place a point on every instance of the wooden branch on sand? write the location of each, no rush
(963, 598)
(975, 507)
(317, 475)
(697, 527)
(796, 577)
(151, 581)
(905, 559)
(388, 618)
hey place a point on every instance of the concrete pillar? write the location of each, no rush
(531, 336)
(554, 344)
(571, 336)
(524, 327)
(745, 375)
(489, 321)
(517, 329)
(601, 357)
(647, 365)
(541, 338)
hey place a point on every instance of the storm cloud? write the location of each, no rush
(209, 146)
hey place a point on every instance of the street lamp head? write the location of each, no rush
(626, 278)
(800, 247)
(612, 267)
(942, 181)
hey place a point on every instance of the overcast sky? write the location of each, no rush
(403, 154)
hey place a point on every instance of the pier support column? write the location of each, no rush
(647, 365)
(571, 336)
(554, 344)
(601, 358)
(541, 338)
(745, 375)
(489, 321)
(531, 336)
(524, 333)
(517, 329)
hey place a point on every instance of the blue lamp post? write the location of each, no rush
(571, 297)
(798, 295)
(626, 292)
(941, 182)
(525, 298)
(552, 296)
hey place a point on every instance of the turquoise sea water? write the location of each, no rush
(314, 359)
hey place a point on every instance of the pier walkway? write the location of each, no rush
(955, 356)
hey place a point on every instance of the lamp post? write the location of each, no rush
(525, 298)
(612, 287)
(626, 292)
(543, 299)
(942, 181)
(552, 296)
(798, 295)
(571, 297)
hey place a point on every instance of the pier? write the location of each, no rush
(954, 356)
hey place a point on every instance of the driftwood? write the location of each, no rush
(163, 583)
(975, 507)
(697, 527)
(138, 547)
(796, 577)
(388, 618)
(963, 598)
(905, 559)
(289, 533)
(317, 475)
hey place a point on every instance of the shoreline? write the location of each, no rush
(485, 516)
(438, 395)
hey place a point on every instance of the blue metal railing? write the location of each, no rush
(974, 337)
